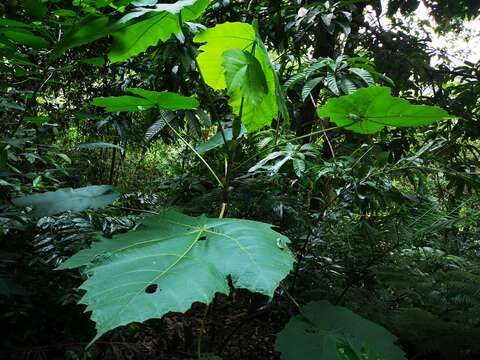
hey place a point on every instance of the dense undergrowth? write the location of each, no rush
(301, 181)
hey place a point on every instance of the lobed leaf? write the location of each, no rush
(173, 260)
(369, 110)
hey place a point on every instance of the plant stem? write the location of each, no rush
(220, 183)
(202, 329)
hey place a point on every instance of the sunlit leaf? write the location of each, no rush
(369, 110)
(244, 76)
(224, 37)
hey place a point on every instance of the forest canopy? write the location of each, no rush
(217, 179)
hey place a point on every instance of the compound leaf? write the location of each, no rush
(172, 260)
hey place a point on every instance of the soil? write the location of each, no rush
(240, 326)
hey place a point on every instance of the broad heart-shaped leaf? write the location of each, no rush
(370, 109)
(145, 100)
(244, 76)
(322, 329)
(173, 260)
(155, 24)
(68, 199)
(227, 36)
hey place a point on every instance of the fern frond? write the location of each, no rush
(309, 86)
(154, 129)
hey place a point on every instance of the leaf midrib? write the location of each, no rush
(123, 308)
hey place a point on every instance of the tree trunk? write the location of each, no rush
(325, 47)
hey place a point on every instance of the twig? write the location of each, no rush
(202, 330)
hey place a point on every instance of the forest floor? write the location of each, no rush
(239, 326)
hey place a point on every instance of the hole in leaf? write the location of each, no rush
(151, 289)
(202, 238)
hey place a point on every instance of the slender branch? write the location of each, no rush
(202, 330)
(220, 183)
(324, 133)
(30, 104)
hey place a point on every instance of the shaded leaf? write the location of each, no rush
(37, 8)
(145, 100)
(322, 329)
(22, 36)
(309, 86)
(88, 29)
(217, 140)
(173, 260)
(163, 118)
(68, 199)
(156, 24)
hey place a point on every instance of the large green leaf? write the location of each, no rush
(155, 24)
(145, 100)
(173, 260)
(244, 76)
(327, 332)
(218, 41)
(51, 203)
(369, 110)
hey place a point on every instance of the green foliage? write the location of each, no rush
(332, 332)
(198, 253)
(342, 76)
(369, 110)
(50, 203)
(88, 29)
(217, 140)
(384, 224)
(246, 97)
(99, 145)
(145, 100)
(244, 76)
(145, 26)
(296, 154)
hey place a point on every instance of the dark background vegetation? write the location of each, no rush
(386, 224)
